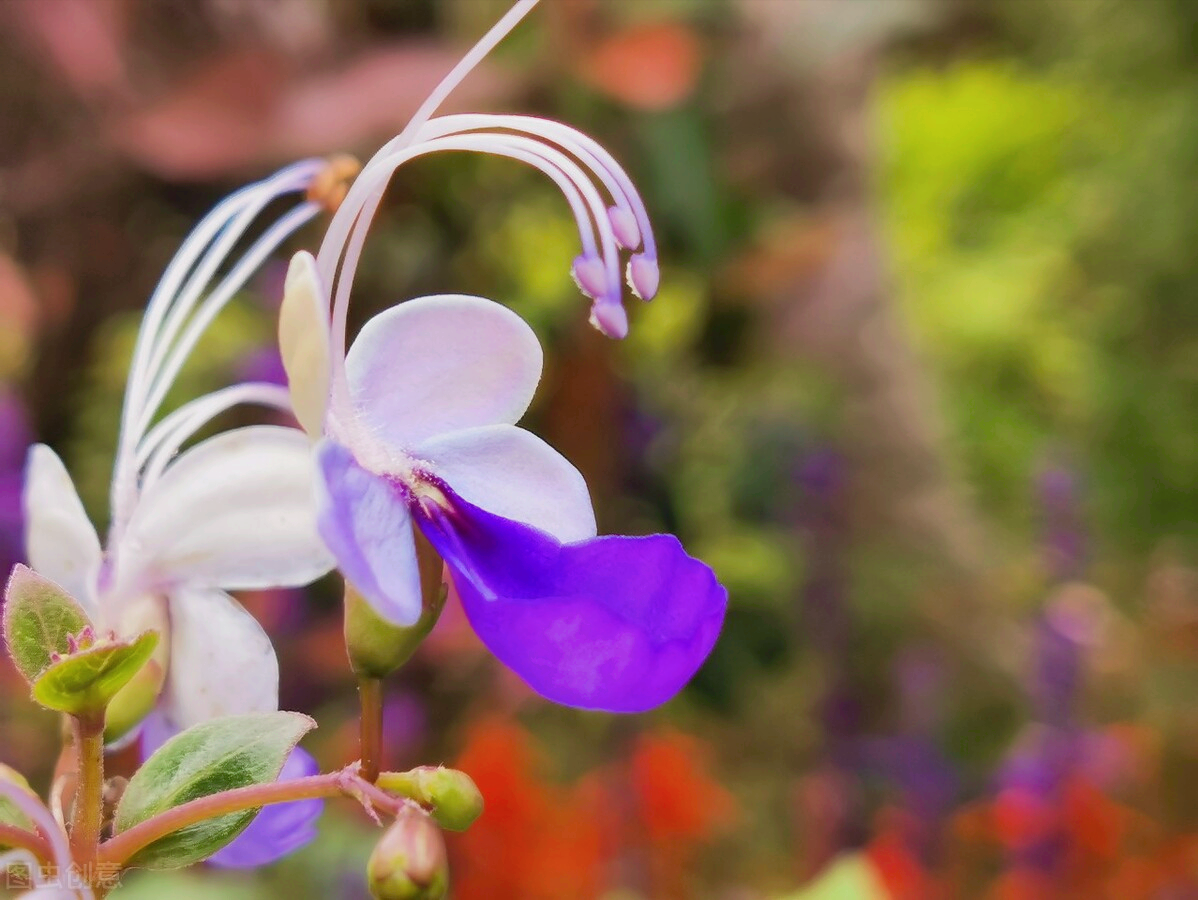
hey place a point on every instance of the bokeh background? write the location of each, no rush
(920, 384)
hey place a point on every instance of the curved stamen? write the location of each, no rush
(165, 439)
(359, 196)
(172, 292)
(564, 171)
(177, 294)
(164, 297)
(589, 151)
(191, 295)
(356, 198)
(218, 299)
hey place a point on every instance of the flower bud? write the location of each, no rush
(451, 796)
(136, 699)
(410, 861)
(376, 647)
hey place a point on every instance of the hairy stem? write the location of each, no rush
(87, 812)
(370, 694)
(124, 846)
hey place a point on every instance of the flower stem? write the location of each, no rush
(20, 839)
(87, 812)
(123, 847)
(370, 694)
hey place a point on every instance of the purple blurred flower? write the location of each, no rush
(1057, 674)
(927, 778)
(404, 722)
(1064, 536)
(277, 830)
(1070, 626)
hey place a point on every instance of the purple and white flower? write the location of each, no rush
(415, 429)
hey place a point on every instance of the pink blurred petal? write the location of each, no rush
(83, 39)
(246, 110)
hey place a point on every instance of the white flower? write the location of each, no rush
(235, 511)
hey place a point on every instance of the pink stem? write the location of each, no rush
(124, 846)
(13, 836)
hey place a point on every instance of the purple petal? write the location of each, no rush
(610, 623)
(278, 830)
(364, 521)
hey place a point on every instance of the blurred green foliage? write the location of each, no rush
(1041, 212)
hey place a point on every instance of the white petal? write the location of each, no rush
(513, 473)
(236, 511)
(59, 540)
(222, 662)
(304, 341)
(439, 364)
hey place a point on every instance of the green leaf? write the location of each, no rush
(86, 681)
(39, 617)
(220, 755)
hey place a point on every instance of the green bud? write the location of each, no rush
(450, 795)
(84, 682)
(135, 700)
(410, 862)
(376, 647)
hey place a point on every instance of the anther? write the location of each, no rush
(610, 318)
(643, 276)
(623, 226)
(590, 277)
(331, 183)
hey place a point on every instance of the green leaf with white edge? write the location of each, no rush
(84, 683)
(216, 756)
(39, 617)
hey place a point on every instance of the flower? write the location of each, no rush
(235, 511)
(415, 427)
